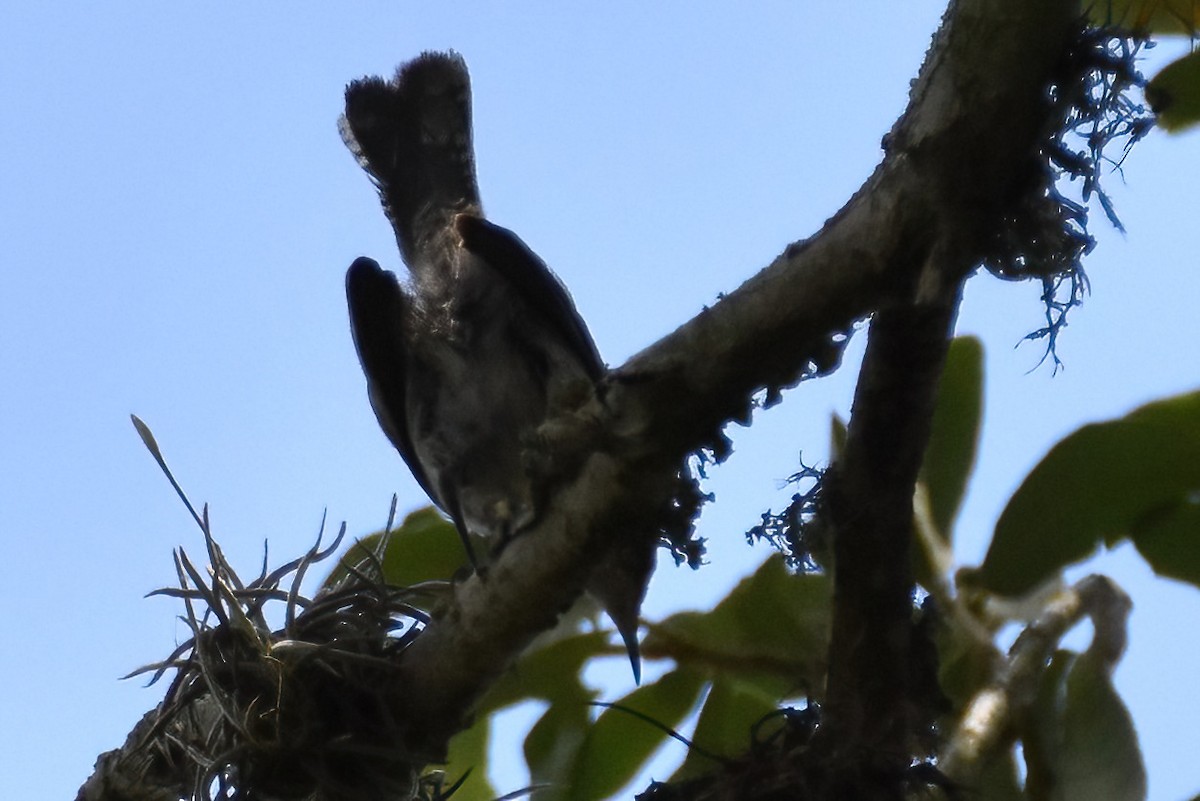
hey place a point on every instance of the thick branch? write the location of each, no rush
(494, 617)
(967, 147)
(978, 107)
(954, 163)
(868, 499)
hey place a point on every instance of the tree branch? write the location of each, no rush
(988, 724)
(979, 107)
(962, 155)
(871, 695)
(957, 165)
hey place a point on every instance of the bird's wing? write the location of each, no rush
(531, 279)
(378, 310)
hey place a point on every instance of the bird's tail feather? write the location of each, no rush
(413, 137)
(619, 584)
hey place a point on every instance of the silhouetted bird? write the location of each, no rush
(465, 363)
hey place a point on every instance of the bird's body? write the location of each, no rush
(470, 382)
(467, 363)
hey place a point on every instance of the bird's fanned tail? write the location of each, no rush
(412, 135)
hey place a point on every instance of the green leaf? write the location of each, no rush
(953, 439)
(1146, 16)
(773, 621)
(1099, 485)
(424, 547)
(619, 743)
(469, 751)
(999, 780)
(551, 672)
(552, 746)
(1082, 745)
(1170, 541)
(1041, 738)
(1174, 93)
(725, 727)
(1100, 758)
(965, 666)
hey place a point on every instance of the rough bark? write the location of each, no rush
(917, 227)
(964, 152)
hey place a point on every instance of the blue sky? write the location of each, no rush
(178, 213)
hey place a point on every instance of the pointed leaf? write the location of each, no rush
(552, 746)
(1170, 542)
(1174, 93)
(1081, 745)
(468, 750)
(424, 547)
(551, 672)
(1096, 486)
(953, 439)
(147, 437)
(727, 719)
(773, 621)
(1100, 758)
(618, 744)
(1042, 736)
